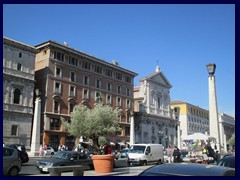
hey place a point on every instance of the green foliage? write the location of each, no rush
(93, 123)
(102, 140)
(231, 141)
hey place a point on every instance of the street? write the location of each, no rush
(29, 169)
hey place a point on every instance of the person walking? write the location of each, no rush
(176, 155)
(40, 150)
(170, 154)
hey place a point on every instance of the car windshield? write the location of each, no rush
(61, 155)
(137, 149)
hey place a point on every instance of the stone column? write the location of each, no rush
(213, 112)
(35, 143)
(132, 131)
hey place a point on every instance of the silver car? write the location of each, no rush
(11, 162)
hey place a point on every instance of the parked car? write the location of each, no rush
(188, 169)
(11, 161)
(121, 159)
(65, 158)
(23, 154)
(50, 151)
(227, 161)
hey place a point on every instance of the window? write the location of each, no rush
(58, 72)
(86, 65)
(57, 88)
(85, 93)
(108, 73)
(56, 107)
(72, 91)
(109, 87)
(73, 76)
(71, 106)
(73, 61)
(98, 83)
(98, 69)
(20, 55)
(128, 106)
(128, 92)
(127, 131)
(14, 130)
(85, 80)
(19, 67)
(55, 124)
(118, 76)
(159, 102)
(59, 56)
(119, 89)
(118, 101)
(16, 96)
(109, 99)
(98, 96)
(128, 79)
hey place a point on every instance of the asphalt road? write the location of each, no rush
(29, 167)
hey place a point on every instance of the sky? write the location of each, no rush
(180, 38)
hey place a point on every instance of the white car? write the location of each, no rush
(50, 151)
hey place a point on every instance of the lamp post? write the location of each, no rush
(213, 110)
(132, 131)
(35, 143)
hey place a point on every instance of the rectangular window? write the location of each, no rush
(20, 55)
(109, 87)
(109, 99)
(57, 88)
(85, 80)
(127, 131)
(72, 91)
(19, 67)
(56, 107)
(119, 89)
(73, 76)
(98, 97)
(58, 72)
(108, 73)
(118, 76)
(159, 102)
(86, 65)
(85, 94)
(128, 92)
(71, 106)
(58, 56)
(55, 124)
(119, 103)
(128, 79)
(14, 130)
(98, 69)
(98, 83)
(128, 105)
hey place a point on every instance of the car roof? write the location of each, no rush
(189, 169)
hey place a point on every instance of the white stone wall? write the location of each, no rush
(20, 114)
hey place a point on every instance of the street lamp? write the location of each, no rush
(213, 110)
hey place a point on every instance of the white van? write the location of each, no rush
(143, 154)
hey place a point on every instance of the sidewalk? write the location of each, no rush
(128, 171)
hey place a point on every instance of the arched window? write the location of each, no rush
(16, 96)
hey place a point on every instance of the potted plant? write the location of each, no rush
(94, 123)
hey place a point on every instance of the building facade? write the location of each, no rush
(154, 120)
(67, 77)
(227, 129)
(18, 91)
(193, 119)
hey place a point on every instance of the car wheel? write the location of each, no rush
(13, 171)
(52, 153)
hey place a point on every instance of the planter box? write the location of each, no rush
(103, 163)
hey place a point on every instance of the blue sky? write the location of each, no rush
(181, 38)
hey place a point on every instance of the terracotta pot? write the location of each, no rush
(103, 163)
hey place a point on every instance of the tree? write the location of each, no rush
(93, 123)
(231, 141)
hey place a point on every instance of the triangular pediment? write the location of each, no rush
(159, 78)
